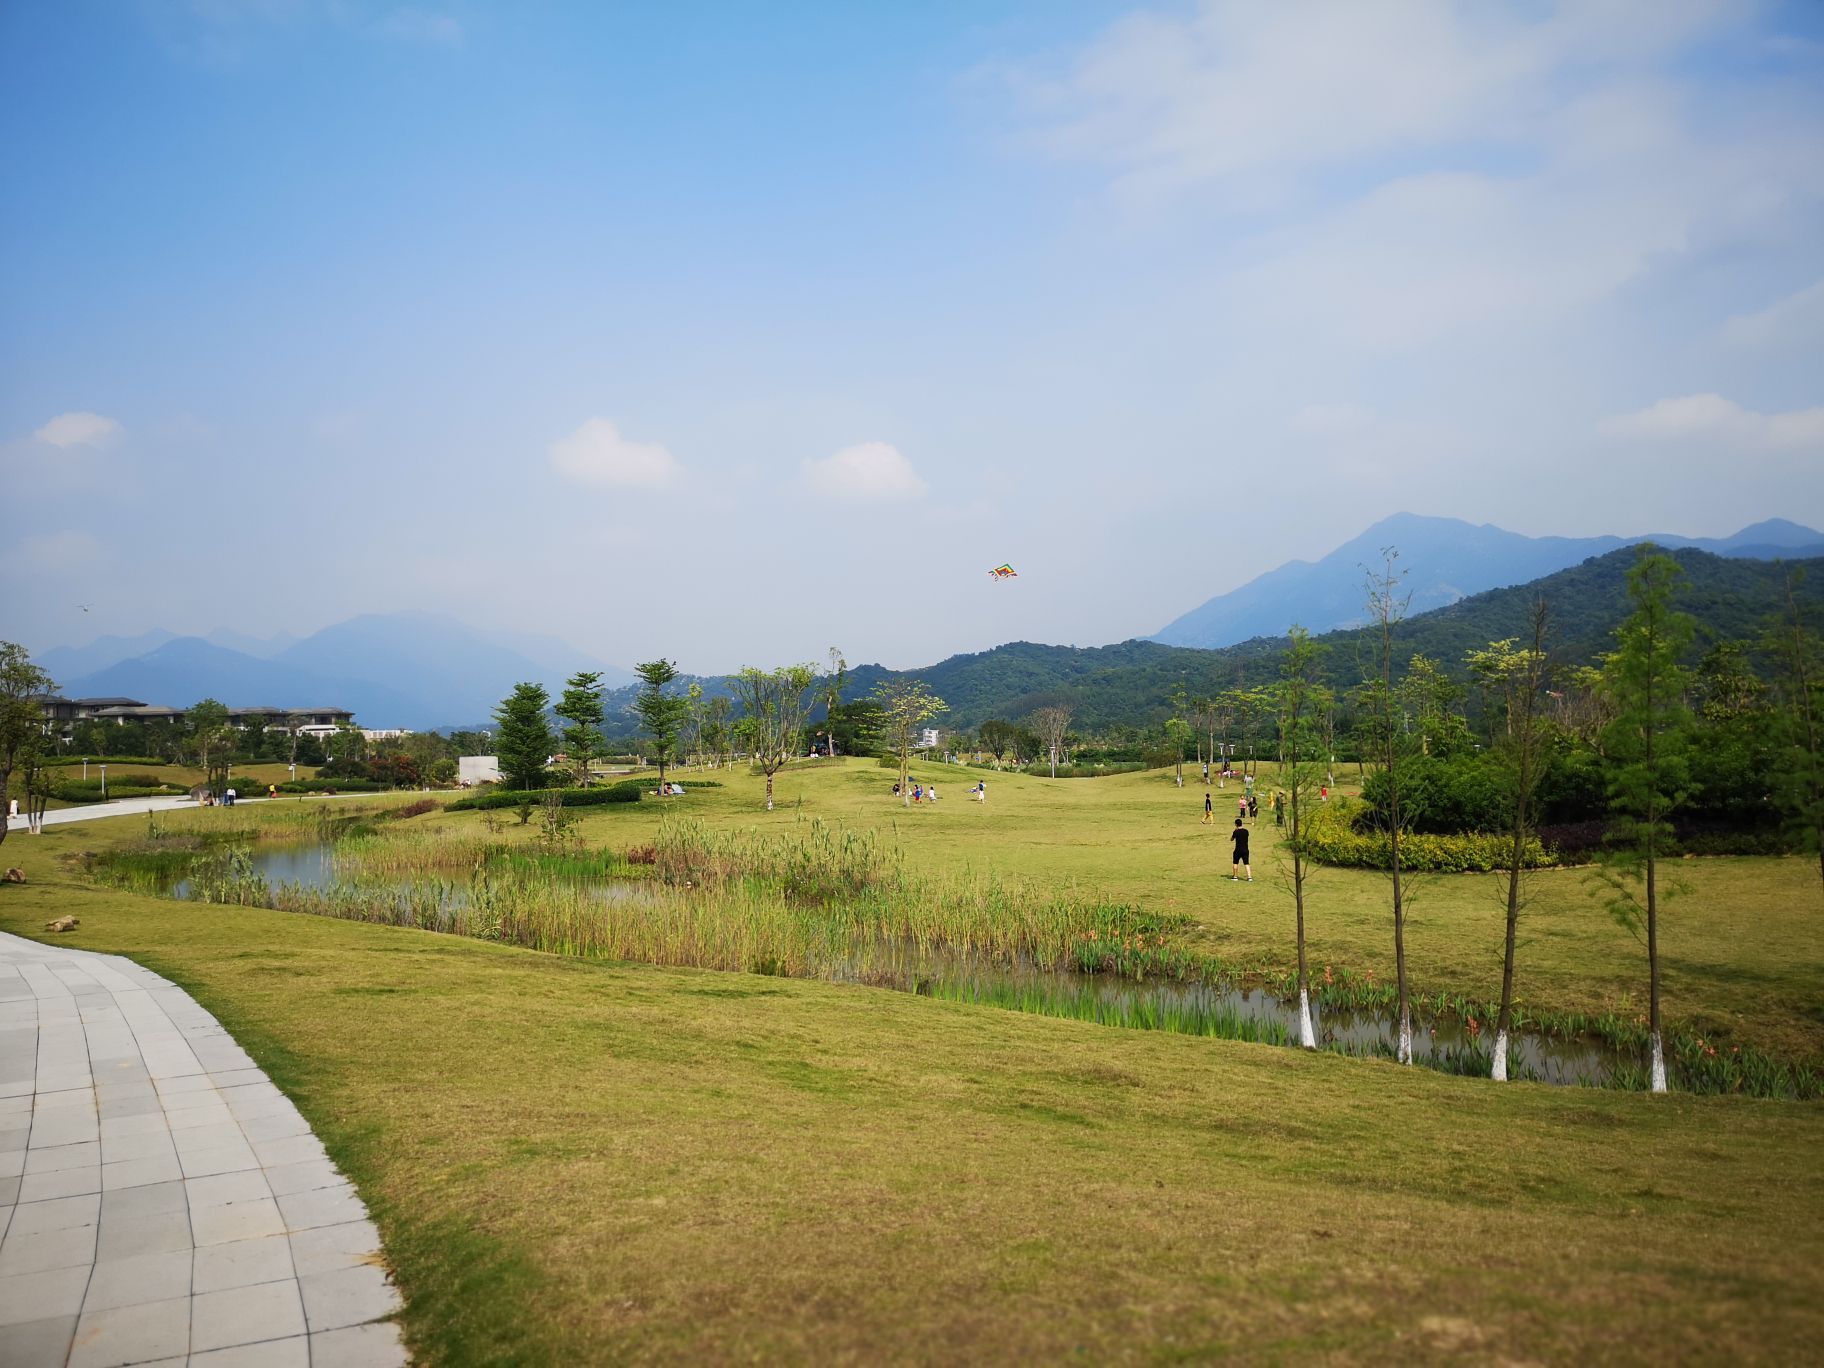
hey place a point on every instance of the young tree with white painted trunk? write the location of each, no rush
(1299, 701)
(1517, 678)
(777, 706)
(1649, 764)
(1387, 601)
(833, 684)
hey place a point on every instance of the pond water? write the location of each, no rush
(1197, 1008)
(315, 867)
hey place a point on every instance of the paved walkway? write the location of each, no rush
(128, 807)
(161, 1202)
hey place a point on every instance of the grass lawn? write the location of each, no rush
(1741, 957)
(575, 1162)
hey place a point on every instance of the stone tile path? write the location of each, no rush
(161, 1202)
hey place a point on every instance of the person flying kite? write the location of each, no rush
(1003, 572)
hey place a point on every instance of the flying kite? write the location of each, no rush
(1003, 572)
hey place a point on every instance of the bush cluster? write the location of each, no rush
(1330, 837)
(331, 786)
(628, 791)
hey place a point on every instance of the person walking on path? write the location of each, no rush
(1253, 805)
(1209, 809)
(1239, 837)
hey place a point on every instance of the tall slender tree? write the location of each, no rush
(776, 707)
(22, 724)
(210, 738)
(1517, 679)
(1798, 789)
(833, 685)
(1299, 700)
(522, 736)
(1388, 598)
(581, 707)
(662, 714)
(1649, 771)
(1051, 723)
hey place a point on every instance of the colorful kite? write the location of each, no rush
(1003, 572)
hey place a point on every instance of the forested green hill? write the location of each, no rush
(1129, 683)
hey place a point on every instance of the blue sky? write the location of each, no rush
(733, 332)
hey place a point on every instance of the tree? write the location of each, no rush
(997, 737)
(905, 706)
(1300, 700)
(581, 707)
(1051, 723)
(522, 736)
(210, 737)
(1387, 600)
(1798, 788)
(717, 733)
(22, 685)
(661, 714)
(832, 697)
(1518, 678)
(1649, 774)
(777, 706)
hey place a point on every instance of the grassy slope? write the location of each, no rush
(574, 1162)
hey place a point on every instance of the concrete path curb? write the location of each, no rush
(161, 1202)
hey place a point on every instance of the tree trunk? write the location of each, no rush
(769, 790)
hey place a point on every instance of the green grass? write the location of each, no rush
(574, 1161)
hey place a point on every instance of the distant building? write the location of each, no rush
(931, 738)
(63, 713)
(478, 769)
(385, 733)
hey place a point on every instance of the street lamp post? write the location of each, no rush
(104, 782)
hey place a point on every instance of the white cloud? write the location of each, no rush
(78, 429)
(1240, 90)
(873, 472)
(1795, 320)
(597, 454)
(1712, 418)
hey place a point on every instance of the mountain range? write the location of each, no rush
(428, 670)
(1445, 559)
(417, 670)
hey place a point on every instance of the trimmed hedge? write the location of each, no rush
(628, 791)
(331, 786)
(1330, 838)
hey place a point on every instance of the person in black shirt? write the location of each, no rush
(1209, 809)
(1240, 837)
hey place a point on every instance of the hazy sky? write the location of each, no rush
(736, 331)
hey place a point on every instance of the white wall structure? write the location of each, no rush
(478, 769)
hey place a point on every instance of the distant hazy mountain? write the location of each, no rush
(1446, 559)
(418, 670)
(186, 669)
(64, 663)
(264, 648)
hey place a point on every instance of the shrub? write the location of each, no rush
(1330, 837)
(628, 791)
(331, 786)
(414, 809)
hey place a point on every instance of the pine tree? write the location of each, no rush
(581, 707)
(661, 714)
(522, 737)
